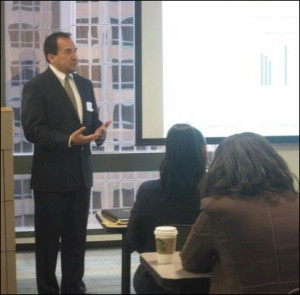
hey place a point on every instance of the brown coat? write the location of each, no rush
(250, 244)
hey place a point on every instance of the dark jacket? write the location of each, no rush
(48, 119)
(251, 244)
(152, 209)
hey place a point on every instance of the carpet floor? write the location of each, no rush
(102, 271)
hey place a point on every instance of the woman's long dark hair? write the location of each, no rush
(246, 164)
(185, 162)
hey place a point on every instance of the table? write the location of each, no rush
(126, 256)
(172, 274)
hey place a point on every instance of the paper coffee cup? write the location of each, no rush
(165, 241)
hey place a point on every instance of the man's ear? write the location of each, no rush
(50, 57)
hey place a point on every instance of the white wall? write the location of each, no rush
(290, 152)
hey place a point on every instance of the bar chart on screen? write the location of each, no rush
(245, 68)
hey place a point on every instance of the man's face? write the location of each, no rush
(66, 58)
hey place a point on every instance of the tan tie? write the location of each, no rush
(70, 92)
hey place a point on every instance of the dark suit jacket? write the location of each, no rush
(152, 209)
(251, 244)
(48, 120)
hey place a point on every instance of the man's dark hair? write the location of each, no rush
(50, 45)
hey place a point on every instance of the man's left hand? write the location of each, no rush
(102, 130)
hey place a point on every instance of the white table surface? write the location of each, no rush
(170, 271)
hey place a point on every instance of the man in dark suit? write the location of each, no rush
(59, 115)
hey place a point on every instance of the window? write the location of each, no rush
(123, 116)
(87, 31)
(123, 74)
(128, 197)
(83, 68)
(26, 5)
(103, 31)
(24, 206)
(96, 73)
(23, 35)
(126, 28)
(22, 73)
(96, 201)
(90, 71)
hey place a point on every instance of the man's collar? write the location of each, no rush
(60, 75)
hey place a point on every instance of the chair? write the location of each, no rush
(294, 291)
(196, 286)
(183, 232)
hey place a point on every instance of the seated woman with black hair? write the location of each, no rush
(172, 199)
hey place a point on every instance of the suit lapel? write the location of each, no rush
(83, 95)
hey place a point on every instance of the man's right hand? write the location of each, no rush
(77, 138)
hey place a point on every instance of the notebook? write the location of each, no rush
(120, 215)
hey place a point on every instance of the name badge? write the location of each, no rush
(89, 106)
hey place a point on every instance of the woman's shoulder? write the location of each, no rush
(151, 185)
(148, 196)
(149, 189)
(215, 202)
(234, 202)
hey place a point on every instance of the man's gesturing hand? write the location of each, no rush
(102, 129)
(77, 138)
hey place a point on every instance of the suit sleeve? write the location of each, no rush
(198, 253)
(34, 119)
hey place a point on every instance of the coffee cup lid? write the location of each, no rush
(165, 230)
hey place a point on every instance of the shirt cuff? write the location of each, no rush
(99, 141)
(70, 142)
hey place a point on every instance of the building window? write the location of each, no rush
(96, 201)
(128, 197)
(126, 28)
(90, 71)
(26, 5)
(127, 32)
(83, 68)
(94, 27)
(116, 197)
(22, 73)
(123, 116)
(87, 31)
(24, 204)
(96, 73)
(23, 35)
(123, 74)
(17, 117)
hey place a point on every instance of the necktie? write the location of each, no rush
(70, 92)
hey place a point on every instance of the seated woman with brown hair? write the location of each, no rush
(247, 234)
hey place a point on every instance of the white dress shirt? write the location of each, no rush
(61, 77)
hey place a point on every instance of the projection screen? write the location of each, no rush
(224, 67)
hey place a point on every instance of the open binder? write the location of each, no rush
(117, 215)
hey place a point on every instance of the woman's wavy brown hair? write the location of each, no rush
(246, 164)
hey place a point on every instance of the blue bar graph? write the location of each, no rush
(266, 74)
(285, 65)
(270, 73)
(265, 70)
(261, 69)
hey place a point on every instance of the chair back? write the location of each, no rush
(294, 291)
(183, 232)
